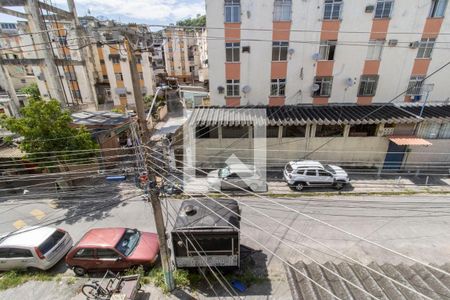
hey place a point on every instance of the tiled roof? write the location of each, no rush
(301, 115)
(436, 111)
(427, 281)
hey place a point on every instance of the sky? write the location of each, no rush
(138, 11)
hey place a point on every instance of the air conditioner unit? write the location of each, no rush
(220, 89)
(414, 45)
(392, 43)
(370, 8)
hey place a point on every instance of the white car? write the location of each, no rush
(236, 176)
(33, 248)
(304, 173)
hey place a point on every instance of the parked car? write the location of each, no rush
(309, 173)
(33, 248)
(113, 249)
(235, 177)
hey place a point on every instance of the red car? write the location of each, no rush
(113, 249)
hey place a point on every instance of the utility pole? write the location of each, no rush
(14, 104)
(137, 91)
(36, 19)
(153, 192)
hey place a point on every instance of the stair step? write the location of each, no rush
(391, 271)
(369, 282)
(432, 281)
(347, 272)
(338, 285)
(416, 281)
(385, 284)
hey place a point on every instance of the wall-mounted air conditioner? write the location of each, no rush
(392, 43)
(369, 8)
(220, 89)
(414, 45)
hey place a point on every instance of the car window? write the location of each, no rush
(300, 171)
(311, 173)
(15, 252)
(324, 173)
(84, 253)
(233, 175)
(330, 169)
(51, 241)
(128, 242)
(289, 168)
(106, 253)
(4, 252)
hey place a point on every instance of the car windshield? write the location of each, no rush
(128, 241)
(224, 172)
(329, 169)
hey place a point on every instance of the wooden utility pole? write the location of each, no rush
(153, 191)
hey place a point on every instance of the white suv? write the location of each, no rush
(304, 173)
(33, 248)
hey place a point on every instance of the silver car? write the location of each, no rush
(235, 177)
(309, 173)
(33, 248)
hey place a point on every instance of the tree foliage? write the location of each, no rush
(32, 92)
(46, 130)
(199, 21)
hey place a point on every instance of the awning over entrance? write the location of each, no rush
(409, 141)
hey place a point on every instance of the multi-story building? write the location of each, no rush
(181, 53)
(280, 52)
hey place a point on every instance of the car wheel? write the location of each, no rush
(299, 186)
(339, 185)
(79, 271)
(33, 269)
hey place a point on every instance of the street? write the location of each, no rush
(417, 226)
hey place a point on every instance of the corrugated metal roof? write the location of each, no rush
(302, 115)
(410, 141)
(431, 111)
(99, 118)
(417, 277)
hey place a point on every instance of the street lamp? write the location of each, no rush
(164, 88)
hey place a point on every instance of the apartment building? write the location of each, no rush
(183, 50)
(19, 75)
(290, 52)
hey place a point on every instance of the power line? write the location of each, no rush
(335, 227)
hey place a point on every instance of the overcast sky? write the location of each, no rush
(138, 11)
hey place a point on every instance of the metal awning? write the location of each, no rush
(409, 141)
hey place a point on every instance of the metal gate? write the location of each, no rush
(394, 156)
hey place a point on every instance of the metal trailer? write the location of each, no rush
(200, 238)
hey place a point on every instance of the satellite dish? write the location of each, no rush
(316, 56)
(315, 87)
(349, 82)
(291, 51)
(246, 89)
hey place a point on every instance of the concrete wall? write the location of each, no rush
(406, 25)
(436, 156)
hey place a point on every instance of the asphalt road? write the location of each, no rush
(417, 226)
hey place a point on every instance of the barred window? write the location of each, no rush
(233, 88)
(232, 51)
(327, 50)
(438, 8)
(119, 76)
(426, 47)
(232, 11)
(368, 85)
(332, 9)
(278, 87)
(415, 86)
(282, 10)
(324, 85)
(383, 9)
(375, 49)
(279, 51)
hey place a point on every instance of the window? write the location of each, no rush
(233, 87)
(115, 59)
(363, 130)
(84, 253)
(207, 132)
(107, 254)
(122, 95)
(383, 9)
(332, 9)
(375, 49)
(232, 11)
(16, 253)
(119, 76)
(105, 77)
(279, 51)
(415, 86)
(232, 52)
(329, 130)
(51, 241)
(272, 131)
(4, 251)
(77, 94)
(327, 50)
(322, 86)
(235, 132)
(438, 8)
(138, 59)
(129, 241)
(311, 172)
(141, 76)
(433, 130)
(294, 131)
(324, 173)
(425, 48)
(282, 10)
(278, 87)
(368, 85)
(102, 61)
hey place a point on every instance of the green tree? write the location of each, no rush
(32, 92)
(199, 21)
(46, 130)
